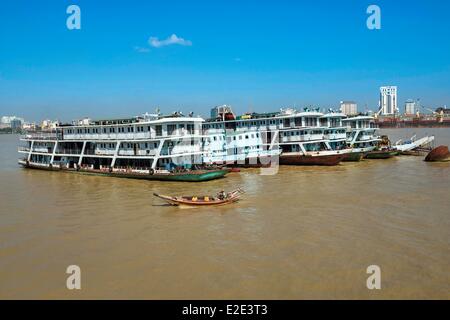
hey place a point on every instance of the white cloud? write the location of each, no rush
(141, 49)
(173, 39)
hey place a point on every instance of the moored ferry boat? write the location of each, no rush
(151, 147)
(310, 137)
(227, 141)
(361, 136)
(304, 138)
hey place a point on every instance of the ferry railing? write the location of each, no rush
(42, 149)
(41, 136)
(333, 136)
(131, 169)
(138, 153)
(364, 138)
(68, 151)
(99, 152)
(301, 138)
(24, 149)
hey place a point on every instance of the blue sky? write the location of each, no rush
(254, 55)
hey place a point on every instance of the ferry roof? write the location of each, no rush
(334, 115)
(114, 121)
(177, 119)
(359, 118)
(270, 115)
(138, 120)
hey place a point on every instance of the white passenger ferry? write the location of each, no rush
(148, 147)
(305, 138)
(226, 142)
(361, 136)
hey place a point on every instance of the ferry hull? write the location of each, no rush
(259, 162)
(203, 175)
(354, 157)
(381, 154)
(308, 160)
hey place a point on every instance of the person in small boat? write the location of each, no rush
(221, 195)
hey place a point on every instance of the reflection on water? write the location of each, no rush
(306, 232)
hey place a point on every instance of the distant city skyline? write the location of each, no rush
(131, 57)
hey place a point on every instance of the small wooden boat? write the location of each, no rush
(227, 198)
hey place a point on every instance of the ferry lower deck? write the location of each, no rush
(196, 175)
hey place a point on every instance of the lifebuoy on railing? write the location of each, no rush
(151, 171)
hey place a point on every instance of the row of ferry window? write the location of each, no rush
(158, 129)
(310, 122)
(145, 145)
(240, 137)
(297, 133)
(127, 145)
(244, 124)
(333, 131)
(238, 150)
(190, 127)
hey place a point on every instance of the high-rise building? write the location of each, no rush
(8, 119)
(16, 123)
(388, 100)
(349, 108)
(410, 107)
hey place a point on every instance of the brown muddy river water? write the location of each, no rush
(304, 233)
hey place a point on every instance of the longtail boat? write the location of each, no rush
(227, 198)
